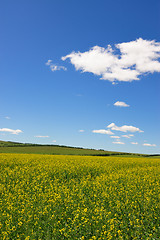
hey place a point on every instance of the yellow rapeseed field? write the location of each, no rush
(78, 197)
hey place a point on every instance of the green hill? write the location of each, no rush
(16, 147)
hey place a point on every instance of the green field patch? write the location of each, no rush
(15, 147)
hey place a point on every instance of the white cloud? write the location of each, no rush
(54, 67)
(134, 59)
(54, 141)
(49, 62)
(7, 118)
(118, 142)
(149, 145)
(103, 131)
(57, 68)
(142, 53)
(7, 130)
(96, 60)
(128, 136)
(134, 143)
(117, 137)
(120, 104)
(41, 136)
(81, 130)
(124, 128)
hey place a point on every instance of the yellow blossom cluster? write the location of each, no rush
(45, 197)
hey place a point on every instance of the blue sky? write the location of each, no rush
(51, 101)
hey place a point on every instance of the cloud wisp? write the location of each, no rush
(116, 137)
(8, 130)
(124, 128)
(118, 142)
(103, 131)
(134, 143)
(126, 62)
(121, 104)
(149, 145)
(55, 67)
(39, 136)
(128, 136)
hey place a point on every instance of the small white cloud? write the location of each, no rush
(135, 58)
(41, 136)
(134, 143)
(149, 145)
(117, 137)
(121, 104)
(54, 141)
(81, 130)
(7, 130)
(7, 118)
(55, 67)
(103, 131)
(128, 136)
(118, 142)
(49, 62)
(124, 128)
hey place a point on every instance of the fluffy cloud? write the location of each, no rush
(54, 141)
(124, 128)
(7, 130)
(103, 131)
(118, 142)
(41, 136)
(54, 67)
(120, 104)
(117, 137)
(149, 145)
(134, 143)
(125, 63)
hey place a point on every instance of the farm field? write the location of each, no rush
(13, 147)
(57, 150)
(78, 197)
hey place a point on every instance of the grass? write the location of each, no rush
(13, 147)
(56, 150)
(78, 197)
(10, 144)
